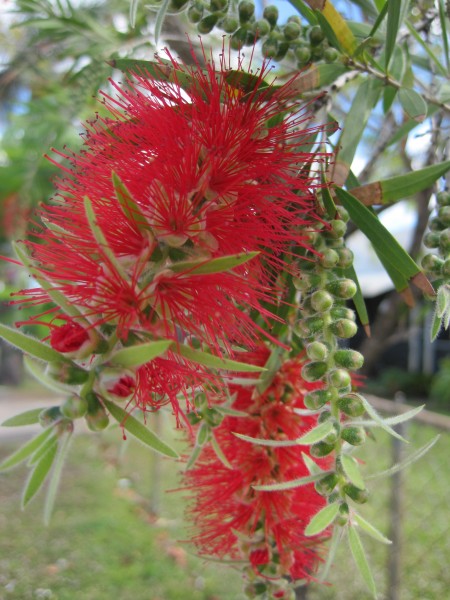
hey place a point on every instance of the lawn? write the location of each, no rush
(104, 543)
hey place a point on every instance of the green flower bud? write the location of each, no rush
(343, 213)
(436, 224)
(339, 378)
(316, 399)
(343, 514)
(67, 372)
(50, 416)
(291, 30)
(329, 258)
(342, 312)
(350, 359)
(357, 495)
(354, 435)
(303, 55)
(444, 241)
(345, 258)
(207, 24)
(261, 27)
(309, 326)
(351, 405)
(212, 416)
(431, 239)
(216, 5)
(342, 288)
(330, 55)
(74, 407)
(432, 264)
(229, 24)
(343, 328)
(239, 38)
(333, 436)
(282, 50)
(321, 449)
(271, 14)
(270, 48)
(443, 198)
(96, 417)
(317, 351)
(444, 215)
(246, 10)
(177, 5)
(316, 35)
(314, 371)
(337, 228)
(195, 12)
(326, 485)
(321, 301)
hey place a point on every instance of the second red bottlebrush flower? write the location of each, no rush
(206, 167)
(232, 519)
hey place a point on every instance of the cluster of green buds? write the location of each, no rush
(324, 325)
(437, 263)
(305, 43)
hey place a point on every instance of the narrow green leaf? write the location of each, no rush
(244, 81)
(370, 529)
(413, 104)
(409, 460)
(379, 20)
(382, 240)
(289, 485)
(134, 356)
(351, 469)
(322, 519)
(38, 475)
(30, 345)
(101, 239)
(406, 416)
(232, 412)
(36, 457)
(443, 22)
(358, 298)
(360, 559)
(328, 31)
(133, 10)
(215, 362)
(393, 23)
(378, 419)
(55, 476)
(33, 367)
(138, 430)
(304, 10)
(193, 457)
(160, 18)
(336, 538)
(219, 452)
(129, 207)
(215, 265)
(311, 465)
(315, 435)
(28, 417)
(426, 48)
(436, 326)
(26, 450)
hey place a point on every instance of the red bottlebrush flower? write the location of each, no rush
(123, 387)
(233, 519)
(207, 178)
(69, 337)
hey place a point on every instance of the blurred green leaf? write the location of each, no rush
(39, 474)
(393, 23)
(29, 417)
(370, 529)
(26, 450)
(322, 519)
(213, 265)
(413, 104)
(352, 471)
(214, 362)
(135, 356)
(311, 437)
(289, 485)
(30, 345)
(359, 556)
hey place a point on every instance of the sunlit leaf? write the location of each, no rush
(359, 556)
(130, 209)
(322, 519)
(55, 476)
(39, 474)
(393, 23)
(311, 437)
(135, 356)
(370, 529)
(28, 417)
(138, 430)
(351, 469)
(214, 362)
(30, 345)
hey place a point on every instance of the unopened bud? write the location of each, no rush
(339, 378)
(329, 258)
(357, 495)
(67, 372)
(432, 263)
(343, 514)
(271, 14)
(321, 301)
(212, 416)
(338, 228)
(321, 449)
(74, 407)
(326, 485)
(443, 198)
(342, 288)
(96, 417)
(351, 405)
(345, 258)
(317, 398)
(431, 239)
(354, 435)
(50, 416)
(344, 328)
(350, 359)
(444, 215)
(444, 240)
(308, 327)
(342, 312)
(317, 351)
(314, 371)
(246, 10)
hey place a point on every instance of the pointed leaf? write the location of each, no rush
(219, 452)
(26, 450)
(215, 265)
(311, 465)
(342, 33)
(160, 19)
(38, 475)
(138, 430)
(129, 207)
(413, 104)
(134, 356)
(33, 367)
(336, 538)
(409, 460)
(304, 10)
(28, 417)
(311, 437)
(215, 362)
(393, 24)
(322, 519)
(193, 457)
(133, 10)
(360, 559)
(30, 345)
(406, 416)
(370, 529)
(351, 469)
(290, 485)
(378, 419)
(36, 457)
(55, 476)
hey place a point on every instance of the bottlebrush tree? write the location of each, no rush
(193, 258)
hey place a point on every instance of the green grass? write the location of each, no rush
(104, 544)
